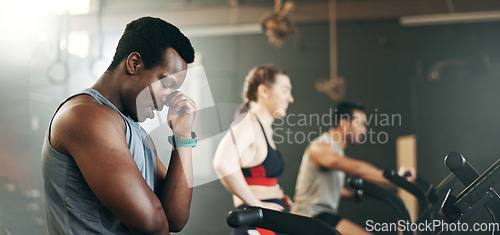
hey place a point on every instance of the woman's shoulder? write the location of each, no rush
(245, 124)
(246, 131)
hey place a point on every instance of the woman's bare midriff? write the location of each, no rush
(262, 193)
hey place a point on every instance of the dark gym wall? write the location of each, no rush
(459, 110)
(385, 66)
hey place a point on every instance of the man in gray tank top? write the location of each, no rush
(100, 169)
(320, 182)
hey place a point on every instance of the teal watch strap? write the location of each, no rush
(183, 142)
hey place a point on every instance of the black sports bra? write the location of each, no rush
(269, 170)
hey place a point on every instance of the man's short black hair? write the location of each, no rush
(151, 37)
(345, 110)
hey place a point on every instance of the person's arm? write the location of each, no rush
(175, 186)
(352, 194)
(323, 156)
(94, 136)
(287, 201)
(179, 208)
(226, 163)
(347, 193)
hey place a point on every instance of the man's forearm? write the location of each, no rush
(177, 188)
(373, 174)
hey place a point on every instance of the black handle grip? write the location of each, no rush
(247, 217)
(279, 222)
(461, 168)
(412, 188)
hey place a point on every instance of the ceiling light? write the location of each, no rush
(451, 18)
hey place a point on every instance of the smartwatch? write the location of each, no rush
(178, 142)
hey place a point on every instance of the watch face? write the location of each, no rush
(193, 135)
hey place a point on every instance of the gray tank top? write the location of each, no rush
(71, 206)
(318, 190)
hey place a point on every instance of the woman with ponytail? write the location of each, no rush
(247, 160)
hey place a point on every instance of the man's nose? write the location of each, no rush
(165, 97)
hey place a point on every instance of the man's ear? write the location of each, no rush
(133, 63)
(344, 122)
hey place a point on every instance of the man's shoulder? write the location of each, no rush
(83, 118)
(82, 112)
(87, 108)
(322, 140)
(323, 145)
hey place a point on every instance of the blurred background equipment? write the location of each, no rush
(334, 87)
(277, 24)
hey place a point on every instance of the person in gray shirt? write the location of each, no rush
(100, 168)
(320, 182)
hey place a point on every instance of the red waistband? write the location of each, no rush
(265, 231)
(261, 181)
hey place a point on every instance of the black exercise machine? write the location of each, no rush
(278, 221)
(439, 202)
(479, 192)
(384, 195)
(413, 188)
